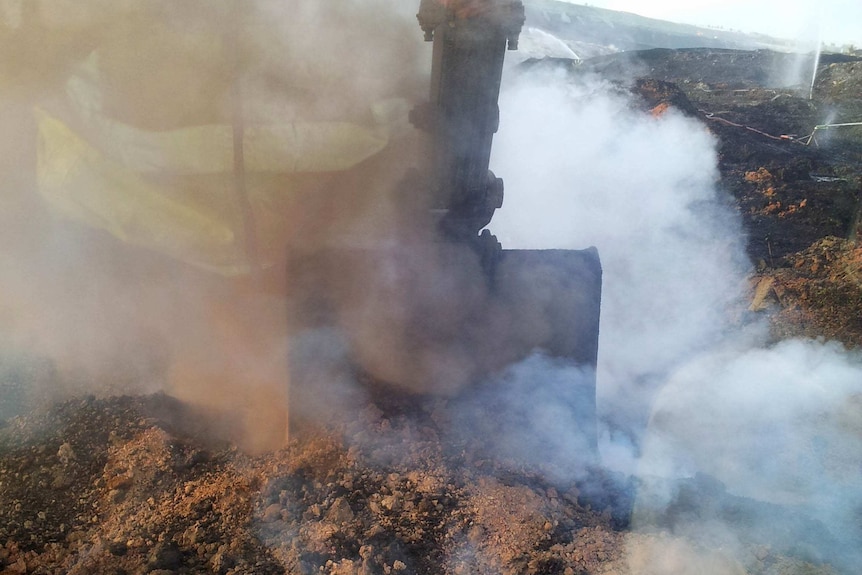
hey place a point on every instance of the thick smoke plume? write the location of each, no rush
(729, 436)
(584, 166)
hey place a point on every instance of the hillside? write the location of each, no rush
(591, 31)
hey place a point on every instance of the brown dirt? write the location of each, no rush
(117, 486)
(818, 294)
(125, 485)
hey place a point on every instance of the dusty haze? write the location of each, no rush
(117, 315)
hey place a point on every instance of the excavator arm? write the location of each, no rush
(438, 315)
(470, 38)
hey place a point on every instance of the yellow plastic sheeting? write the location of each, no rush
(138, 140)
(174, 191)
(209, 148)
(82, 184)
(145, 187)
(289, 148)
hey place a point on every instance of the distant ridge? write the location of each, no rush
(590, 31)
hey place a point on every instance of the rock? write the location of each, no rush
(221, 561)
(166, 556)
(118, 548)
(345, 567)
(61, 479)
(66, 453)
(391, 502)
(272, 513)
(476, 534)
(19, 566)
(340, 512)
(119, 482)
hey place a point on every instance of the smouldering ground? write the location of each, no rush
(144, 484)
(122, 485)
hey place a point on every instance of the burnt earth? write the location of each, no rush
(800, 198)
(790, 192)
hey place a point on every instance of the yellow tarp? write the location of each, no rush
(111, 191)
(206, 149)
(80, 183)
(136, 134)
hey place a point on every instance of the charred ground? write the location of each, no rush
(142, 485)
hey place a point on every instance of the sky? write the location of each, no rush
(835, 21)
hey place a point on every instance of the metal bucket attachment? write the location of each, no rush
(425, 321)
(448, 313)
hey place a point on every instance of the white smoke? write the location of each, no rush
(584, 167)
(685, 387)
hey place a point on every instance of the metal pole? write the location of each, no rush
(238, 124)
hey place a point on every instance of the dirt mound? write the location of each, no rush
(818, 294)
(659, 95)
(121, 485)
(116, 486)
(840, 81)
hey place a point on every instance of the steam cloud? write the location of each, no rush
(584, 167)
(686, 388)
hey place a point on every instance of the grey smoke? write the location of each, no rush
(584, 167)
(689, 389)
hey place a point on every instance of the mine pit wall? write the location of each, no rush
(354, 317)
